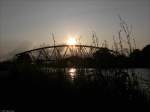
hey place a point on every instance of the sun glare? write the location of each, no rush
(71, 41)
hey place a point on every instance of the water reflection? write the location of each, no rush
(72, 73)
(90, 74)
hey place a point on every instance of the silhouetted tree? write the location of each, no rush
(136, 58)
(25, 58)
(104, 58)
(121, 61)
(146, 55)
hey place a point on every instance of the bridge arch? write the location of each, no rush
(59, 52)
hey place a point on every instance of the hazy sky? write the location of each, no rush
(25, 24)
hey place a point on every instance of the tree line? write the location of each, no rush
(109, 58)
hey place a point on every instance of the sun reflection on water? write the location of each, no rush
(72, 73)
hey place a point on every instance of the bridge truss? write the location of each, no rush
(59, 52)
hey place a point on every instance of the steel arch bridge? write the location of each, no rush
(59, 52)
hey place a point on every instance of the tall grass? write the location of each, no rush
(115, 85)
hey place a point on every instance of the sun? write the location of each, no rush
(71, 41)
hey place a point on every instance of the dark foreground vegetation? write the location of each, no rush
(26, 85)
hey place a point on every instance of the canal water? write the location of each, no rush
(142, 74)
